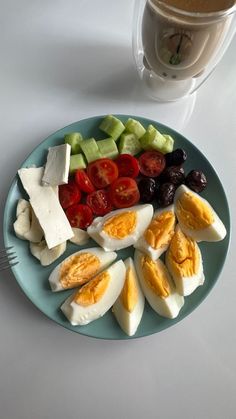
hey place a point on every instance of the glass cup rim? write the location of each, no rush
(203, 15)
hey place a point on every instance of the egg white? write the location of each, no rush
(106, 258)
(79, 315)
(129, 321)
(166, 307)
(185, 285)
(142, 244)
(215, 232)
(95, 230)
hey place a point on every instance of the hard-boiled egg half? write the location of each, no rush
(184, 262)
(157, 286)
(128, 308)
(158, 234)
(196, 216)
(121, 228)
(96, 297)
(79, 268)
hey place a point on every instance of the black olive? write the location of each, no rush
(147, 189)
(173, 174)
(176, 157)
(158, 184)
(166, 193)
(196, 180)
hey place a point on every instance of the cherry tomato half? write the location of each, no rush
(152, 163)
(102, 172)
(83, 181)
(69, 194)
(127, 166)
(99, 201)
(79, 215)
(124, 192)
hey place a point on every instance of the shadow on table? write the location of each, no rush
(104, 70)
(43, 326)
(97, 73)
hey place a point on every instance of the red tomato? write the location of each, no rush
(152, 163)
(69, 194)
(102, 172)
(83, 181)
(99, 201)
(79, 215)
(124, 192)
(127, 166)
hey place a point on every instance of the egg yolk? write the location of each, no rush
(92, 292)
(129, 293)
(121, 225)
(78, 269)
(183, 255)
(155, 275)
(161, 230)
(193, 213)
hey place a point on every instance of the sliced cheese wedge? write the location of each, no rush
(81, 237)
(22, 224)
(26, 225)
(57, 166)
(45, 255)
(46, 206)
(22, 204)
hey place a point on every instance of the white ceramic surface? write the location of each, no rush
(61, 62)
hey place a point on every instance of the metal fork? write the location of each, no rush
(7, 258)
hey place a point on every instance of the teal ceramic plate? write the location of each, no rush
(33, 278)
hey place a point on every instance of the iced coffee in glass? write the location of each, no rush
(177, 43)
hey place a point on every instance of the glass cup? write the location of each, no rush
(176, 49)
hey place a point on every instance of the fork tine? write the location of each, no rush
(8, 255)
(8, 266)
(4, 261)
(7, 258)
(6, 249)
(3, 264)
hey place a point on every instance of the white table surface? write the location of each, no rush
(60, 62)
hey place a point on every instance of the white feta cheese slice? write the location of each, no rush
(46, 206)
(22, 224)
(22, 204)
(56, 171)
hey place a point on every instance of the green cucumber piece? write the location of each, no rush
(112, 126)
(169, 144)
(76, 162)
(152, 139)
(108, 148)
(129, 144)
(90, 149)
(134, 127)
(74, 139)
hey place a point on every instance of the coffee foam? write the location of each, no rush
(199, 6)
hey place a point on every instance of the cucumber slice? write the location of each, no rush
(74, 139)
(112, 126)
(90, 149)
(108, 148)
(135, 127)
(76, 162)
(129, 144)
(152, 139)
(169, 144)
